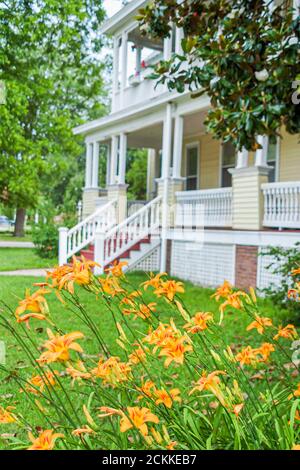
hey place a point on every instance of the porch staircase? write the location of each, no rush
(101, 239)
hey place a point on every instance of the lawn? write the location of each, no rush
(8, 237)
(12, 288)
(12, 259)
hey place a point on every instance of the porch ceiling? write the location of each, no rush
(149, 137)
(194, 124)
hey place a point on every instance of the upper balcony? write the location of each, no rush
(134, 56)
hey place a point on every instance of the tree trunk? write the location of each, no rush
(20, 222)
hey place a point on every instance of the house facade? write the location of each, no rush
(209, 212)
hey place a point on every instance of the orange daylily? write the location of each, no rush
(112, 371)
(58, 347)
(138, 355)
(210, 382)
(45, 441)
(167, 397)
(223, 291)
(247, 356)
(146, 389)
(172, 445)
(116, 269)
(288, 332)
(296, 447)
(79, 272)
(295, 271)
(6, 417)
(78, 373)
(169, 289)
(296, 393)
(265, 350)
(237, 409)
(84, 430)
(137, 418)
(35, 304)
(40, 382)
(154, 281)
(260, 324)
(129, 299)
(174, 350)
(143, 311)
(110, 286)
(162, 335)
(198, 322)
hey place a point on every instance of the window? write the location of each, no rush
(228, 161)
(272, 161)
(191, 167)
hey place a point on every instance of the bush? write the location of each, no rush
(174, 384)
(45, 239)
(285, 261)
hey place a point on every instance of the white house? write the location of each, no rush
(209, 212)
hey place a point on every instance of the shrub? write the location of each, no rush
(285, 261)
(45, 239)
(173, 384)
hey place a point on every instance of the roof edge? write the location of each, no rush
(114, 23)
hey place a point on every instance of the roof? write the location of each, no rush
(116, 22)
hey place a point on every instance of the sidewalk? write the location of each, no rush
(26, 272)
(13, 244)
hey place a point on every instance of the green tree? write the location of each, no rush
(244, 55)
(49, 61)
(137, 174)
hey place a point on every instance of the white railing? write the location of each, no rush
(208, 208)
(73, 240)
(282, 204)
(142, 224)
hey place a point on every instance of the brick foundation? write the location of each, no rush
(246, 266)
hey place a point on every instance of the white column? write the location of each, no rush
(122, 158)
(179, 37)
(166, 161)
(116, 60)
(261, 155)
(63, 246)
(168, 47)
(88, 165)
(114, 159)
(123, 66)
(138, 58)
(108, 164)
(296, 6)
(178, 141)
(242, 158)
(95, 173)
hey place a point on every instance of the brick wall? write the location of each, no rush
(246, 266)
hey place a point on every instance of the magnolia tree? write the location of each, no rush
(244, 55)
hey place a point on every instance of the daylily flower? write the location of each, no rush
(79, 272)
(237, 409)
(210, 382)
(45, 441)
(6, 417)
(265, 350)
(167, 397)
(288, 332)
(146, 389)
(35, 304)
(169, 289)
(247, 356)
(259, 324)
(233, 300)
(198, 322)
(172, 445)
(296, 393)
(129, 299)
(110, 286)
(137, 418)
(112, 371)
(175, 350)
(295, 272)
(154, 281)
(116, 269)
(40, 382)
(143, 311)
(84, 430)
(296, 447)
(138, 355)
(79, 373)
(58, 347)
(223, 291)
(162, 335)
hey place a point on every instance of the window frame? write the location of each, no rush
(189, 146)
(224, 166)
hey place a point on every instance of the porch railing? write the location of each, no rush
(134, 206)
(209, 208)
(282, 204)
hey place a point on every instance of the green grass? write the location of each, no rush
(12, 288)
(8, 237)
(12, 259)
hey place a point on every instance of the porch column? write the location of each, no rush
(122, 158)
(166, 163)
(261, 155)
(88, 165)
(124, 65)
(151, 160)
(95, 174)
(168, 47)
(108, 164)
(178, 141)
(116, 59)
(242, 158)
(179, 37)
(114, 159)
(138, 58)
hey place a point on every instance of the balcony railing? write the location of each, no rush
(208, 208)
(282, 204)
